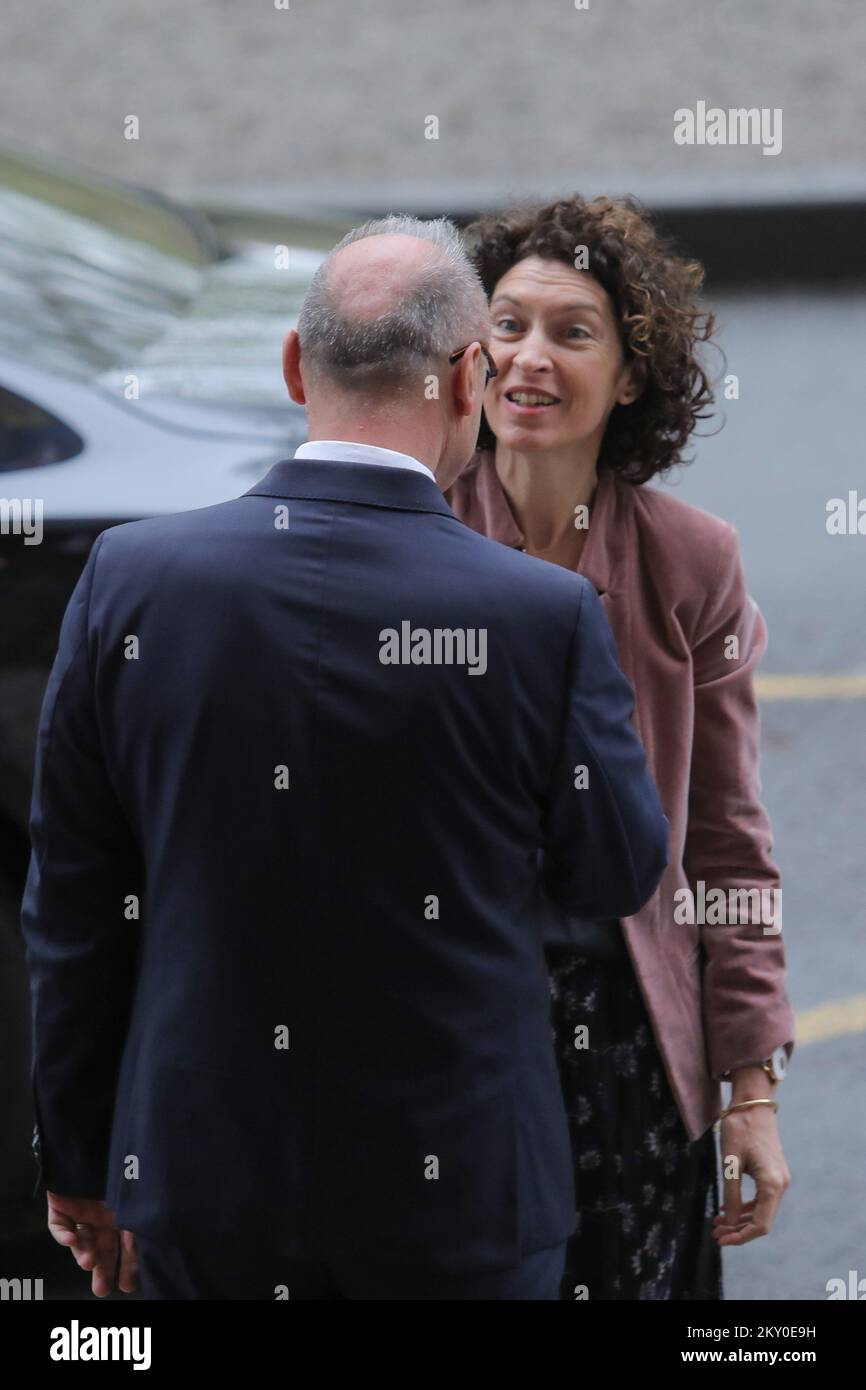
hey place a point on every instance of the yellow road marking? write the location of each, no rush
(851, 686)
(834, 1020)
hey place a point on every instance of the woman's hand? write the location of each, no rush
(751, 1144)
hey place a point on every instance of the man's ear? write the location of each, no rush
(632, 382)
(292, 367)
(466, 379)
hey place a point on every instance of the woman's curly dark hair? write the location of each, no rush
(654, 292)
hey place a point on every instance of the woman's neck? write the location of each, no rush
(544, 490)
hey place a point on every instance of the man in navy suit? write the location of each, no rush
(307, 761)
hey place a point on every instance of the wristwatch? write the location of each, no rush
(775, 1066)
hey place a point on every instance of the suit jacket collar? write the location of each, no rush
(367, 484)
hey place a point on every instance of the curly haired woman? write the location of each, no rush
(596, 335)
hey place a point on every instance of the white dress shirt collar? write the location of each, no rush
(344, 451)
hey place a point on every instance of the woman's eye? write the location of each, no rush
(578, 329)
(506, 325)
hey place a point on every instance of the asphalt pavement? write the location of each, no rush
(790, 443)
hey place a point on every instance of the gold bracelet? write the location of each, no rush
(744, 1105)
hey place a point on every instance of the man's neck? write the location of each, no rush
(379, 435)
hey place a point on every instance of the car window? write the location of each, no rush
(31, 436)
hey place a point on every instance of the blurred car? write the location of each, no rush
(139, 375)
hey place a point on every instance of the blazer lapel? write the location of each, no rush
(607, 562)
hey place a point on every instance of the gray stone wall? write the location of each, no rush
(335, 94)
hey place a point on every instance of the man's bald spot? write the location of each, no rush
(368, 278)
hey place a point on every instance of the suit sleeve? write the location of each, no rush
(729, 840)
(606, 835)
(80, 946)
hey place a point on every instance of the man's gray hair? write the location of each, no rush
(442, 308)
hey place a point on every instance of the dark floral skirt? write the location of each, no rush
(646, 1196)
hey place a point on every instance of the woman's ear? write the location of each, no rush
(631, 383)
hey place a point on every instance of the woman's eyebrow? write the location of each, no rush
(576, 306)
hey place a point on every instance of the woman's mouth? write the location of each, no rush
(529, 402)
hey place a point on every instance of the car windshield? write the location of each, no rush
(109, 285)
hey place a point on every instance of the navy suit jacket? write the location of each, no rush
(282, 913)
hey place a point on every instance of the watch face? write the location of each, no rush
(779, 1063)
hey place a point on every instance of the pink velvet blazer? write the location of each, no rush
(671, 582)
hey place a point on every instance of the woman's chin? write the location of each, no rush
(528, 437)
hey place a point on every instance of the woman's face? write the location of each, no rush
(554, 335)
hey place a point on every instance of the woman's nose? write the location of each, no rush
(533, 355)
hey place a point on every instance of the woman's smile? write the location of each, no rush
(528, 401)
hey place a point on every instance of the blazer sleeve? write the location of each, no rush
(729, 845)
(606, 836)
(80, 946)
